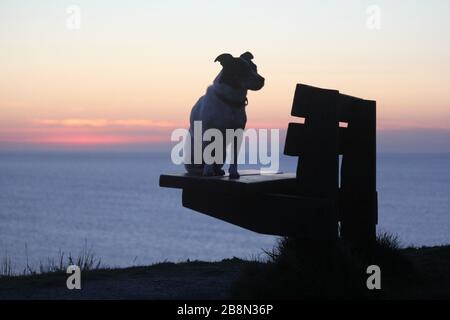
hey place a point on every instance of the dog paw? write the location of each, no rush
(232, 170)
(208, 171)
(234, 175)
(220, 172)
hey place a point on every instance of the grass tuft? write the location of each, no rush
(300, 269)
(86, 260)
(6, 268)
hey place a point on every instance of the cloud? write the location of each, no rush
(88, 132)
(101, 123)
(137, 123)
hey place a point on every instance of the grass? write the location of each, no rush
(299, 269)
(6, 268)
(294, 269)
(86, 260)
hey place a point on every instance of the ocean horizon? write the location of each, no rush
(63, 201)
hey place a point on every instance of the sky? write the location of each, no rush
(132, 71)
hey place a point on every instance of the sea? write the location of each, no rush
(110, 203)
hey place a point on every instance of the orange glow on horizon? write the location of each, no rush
(96, 140)
(90, 132)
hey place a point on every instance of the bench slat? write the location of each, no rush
(295, 140)
(251, 181)
(308, 99)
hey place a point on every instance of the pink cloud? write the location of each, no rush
(99, 123)
(89, 132)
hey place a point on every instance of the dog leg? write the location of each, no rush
(234, 174)
(208, 170)
(232, 170)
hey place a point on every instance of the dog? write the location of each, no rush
(222, 107)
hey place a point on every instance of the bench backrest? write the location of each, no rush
(337, 124)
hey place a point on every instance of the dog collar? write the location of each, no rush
(232, 103)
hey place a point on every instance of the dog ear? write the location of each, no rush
(247, 56)
(224, 58)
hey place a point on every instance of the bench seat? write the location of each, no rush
(263, 203)
(250, 181)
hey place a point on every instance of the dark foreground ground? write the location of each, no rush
(189, 280)
(201, 280)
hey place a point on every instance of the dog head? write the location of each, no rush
(240, 73)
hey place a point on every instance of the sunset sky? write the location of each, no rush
(133, 70)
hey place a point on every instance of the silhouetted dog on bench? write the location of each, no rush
(223, 107)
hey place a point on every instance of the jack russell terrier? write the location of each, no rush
(223, 107)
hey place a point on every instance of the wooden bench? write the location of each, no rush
(326, 198)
